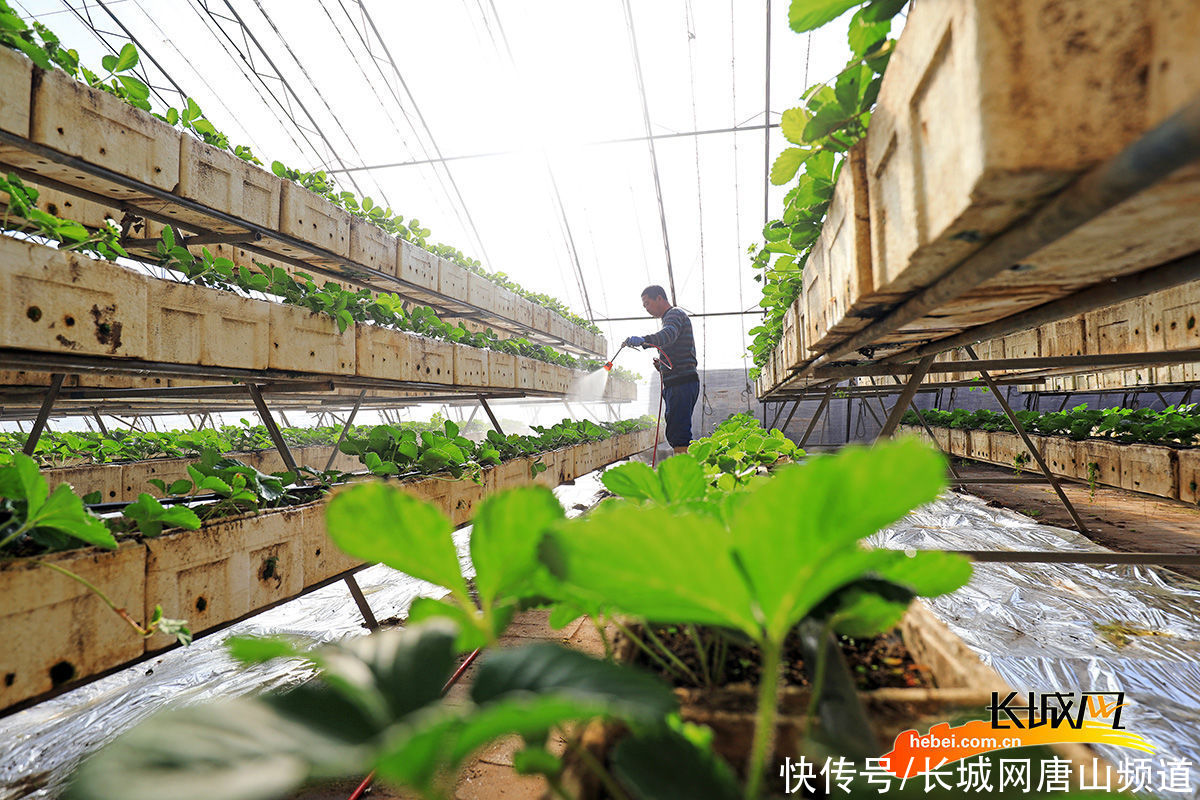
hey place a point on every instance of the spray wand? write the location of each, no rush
(608, 366)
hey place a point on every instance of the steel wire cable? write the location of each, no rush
(690, 27)
(457, 208)
(662, 213)
(370, 21)
(572, 251)
(316, 89)
(270, 100)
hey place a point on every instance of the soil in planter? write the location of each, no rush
(881, 662)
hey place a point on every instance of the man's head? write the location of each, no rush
(655, 301)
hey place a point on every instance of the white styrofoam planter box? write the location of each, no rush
(59, 302)
(16, 73)
(502, 370)
(418, 267)
(481, 292)
(194, 325)
(505, 304)
(228, 567)
(527, 373)
(224, 182)
(541, 318)
(56, 630)
(470, 366)
(523, 313)
(311, 218)
(305, 342)
(452, 280)
(399, 356)
(103, 130)
(372, 246)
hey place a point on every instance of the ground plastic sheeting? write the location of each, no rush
(1036, 624)
(41, 745)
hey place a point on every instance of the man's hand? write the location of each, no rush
(634, 341)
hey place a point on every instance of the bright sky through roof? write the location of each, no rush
(570, 82)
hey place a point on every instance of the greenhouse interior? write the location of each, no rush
(665, 424)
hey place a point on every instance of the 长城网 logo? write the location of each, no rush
(1055, 709)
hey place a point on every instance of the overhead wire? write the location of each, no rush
(218, 96)
(662, 213)
(257, 82)
(370, 21)
(562, 212)
(335, 152)
(690, 27)
(455, 201)
(737, 201)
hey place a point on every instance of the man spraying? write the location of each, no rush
(677, 370)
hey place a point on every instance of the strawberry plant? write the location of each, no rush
(31, 516)
(22, 203)
(751, 564)
(831, 118)
(1173, 426)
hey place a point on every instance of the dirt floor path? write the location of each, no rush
(1115, 518)
(489, 776)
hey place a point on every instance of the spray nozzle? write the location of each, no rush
(608, 367)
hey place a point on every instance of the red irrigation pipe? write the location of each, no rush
(458, 673)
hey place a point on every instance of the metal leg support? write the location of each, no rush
(1062, 496)
(39, 424)
(906, 397)
(791, 414)
(778, 413)
(812, 423)
(345, 429)
(488, 410)
(272, 429)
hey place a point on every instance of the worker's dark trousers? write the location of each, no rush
(679, 402)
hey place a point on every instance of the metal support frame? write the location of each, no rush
(100, 422)
(39, 424)
(272, 429)
(791, 414)
(488, 410)
(1033, 450)
(345, 430)
(1153, 156)
(906, 397)
(812, 423)
(360, 600)
(778, 413)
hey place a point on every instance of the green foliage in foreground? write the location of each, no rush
(682, 552)
(1174, 425)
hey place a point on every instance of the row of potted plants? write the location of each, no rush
(1161, 470)
(198, 163)
(736, 566)
(871, 236)
(60, 302)
(221, 543)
